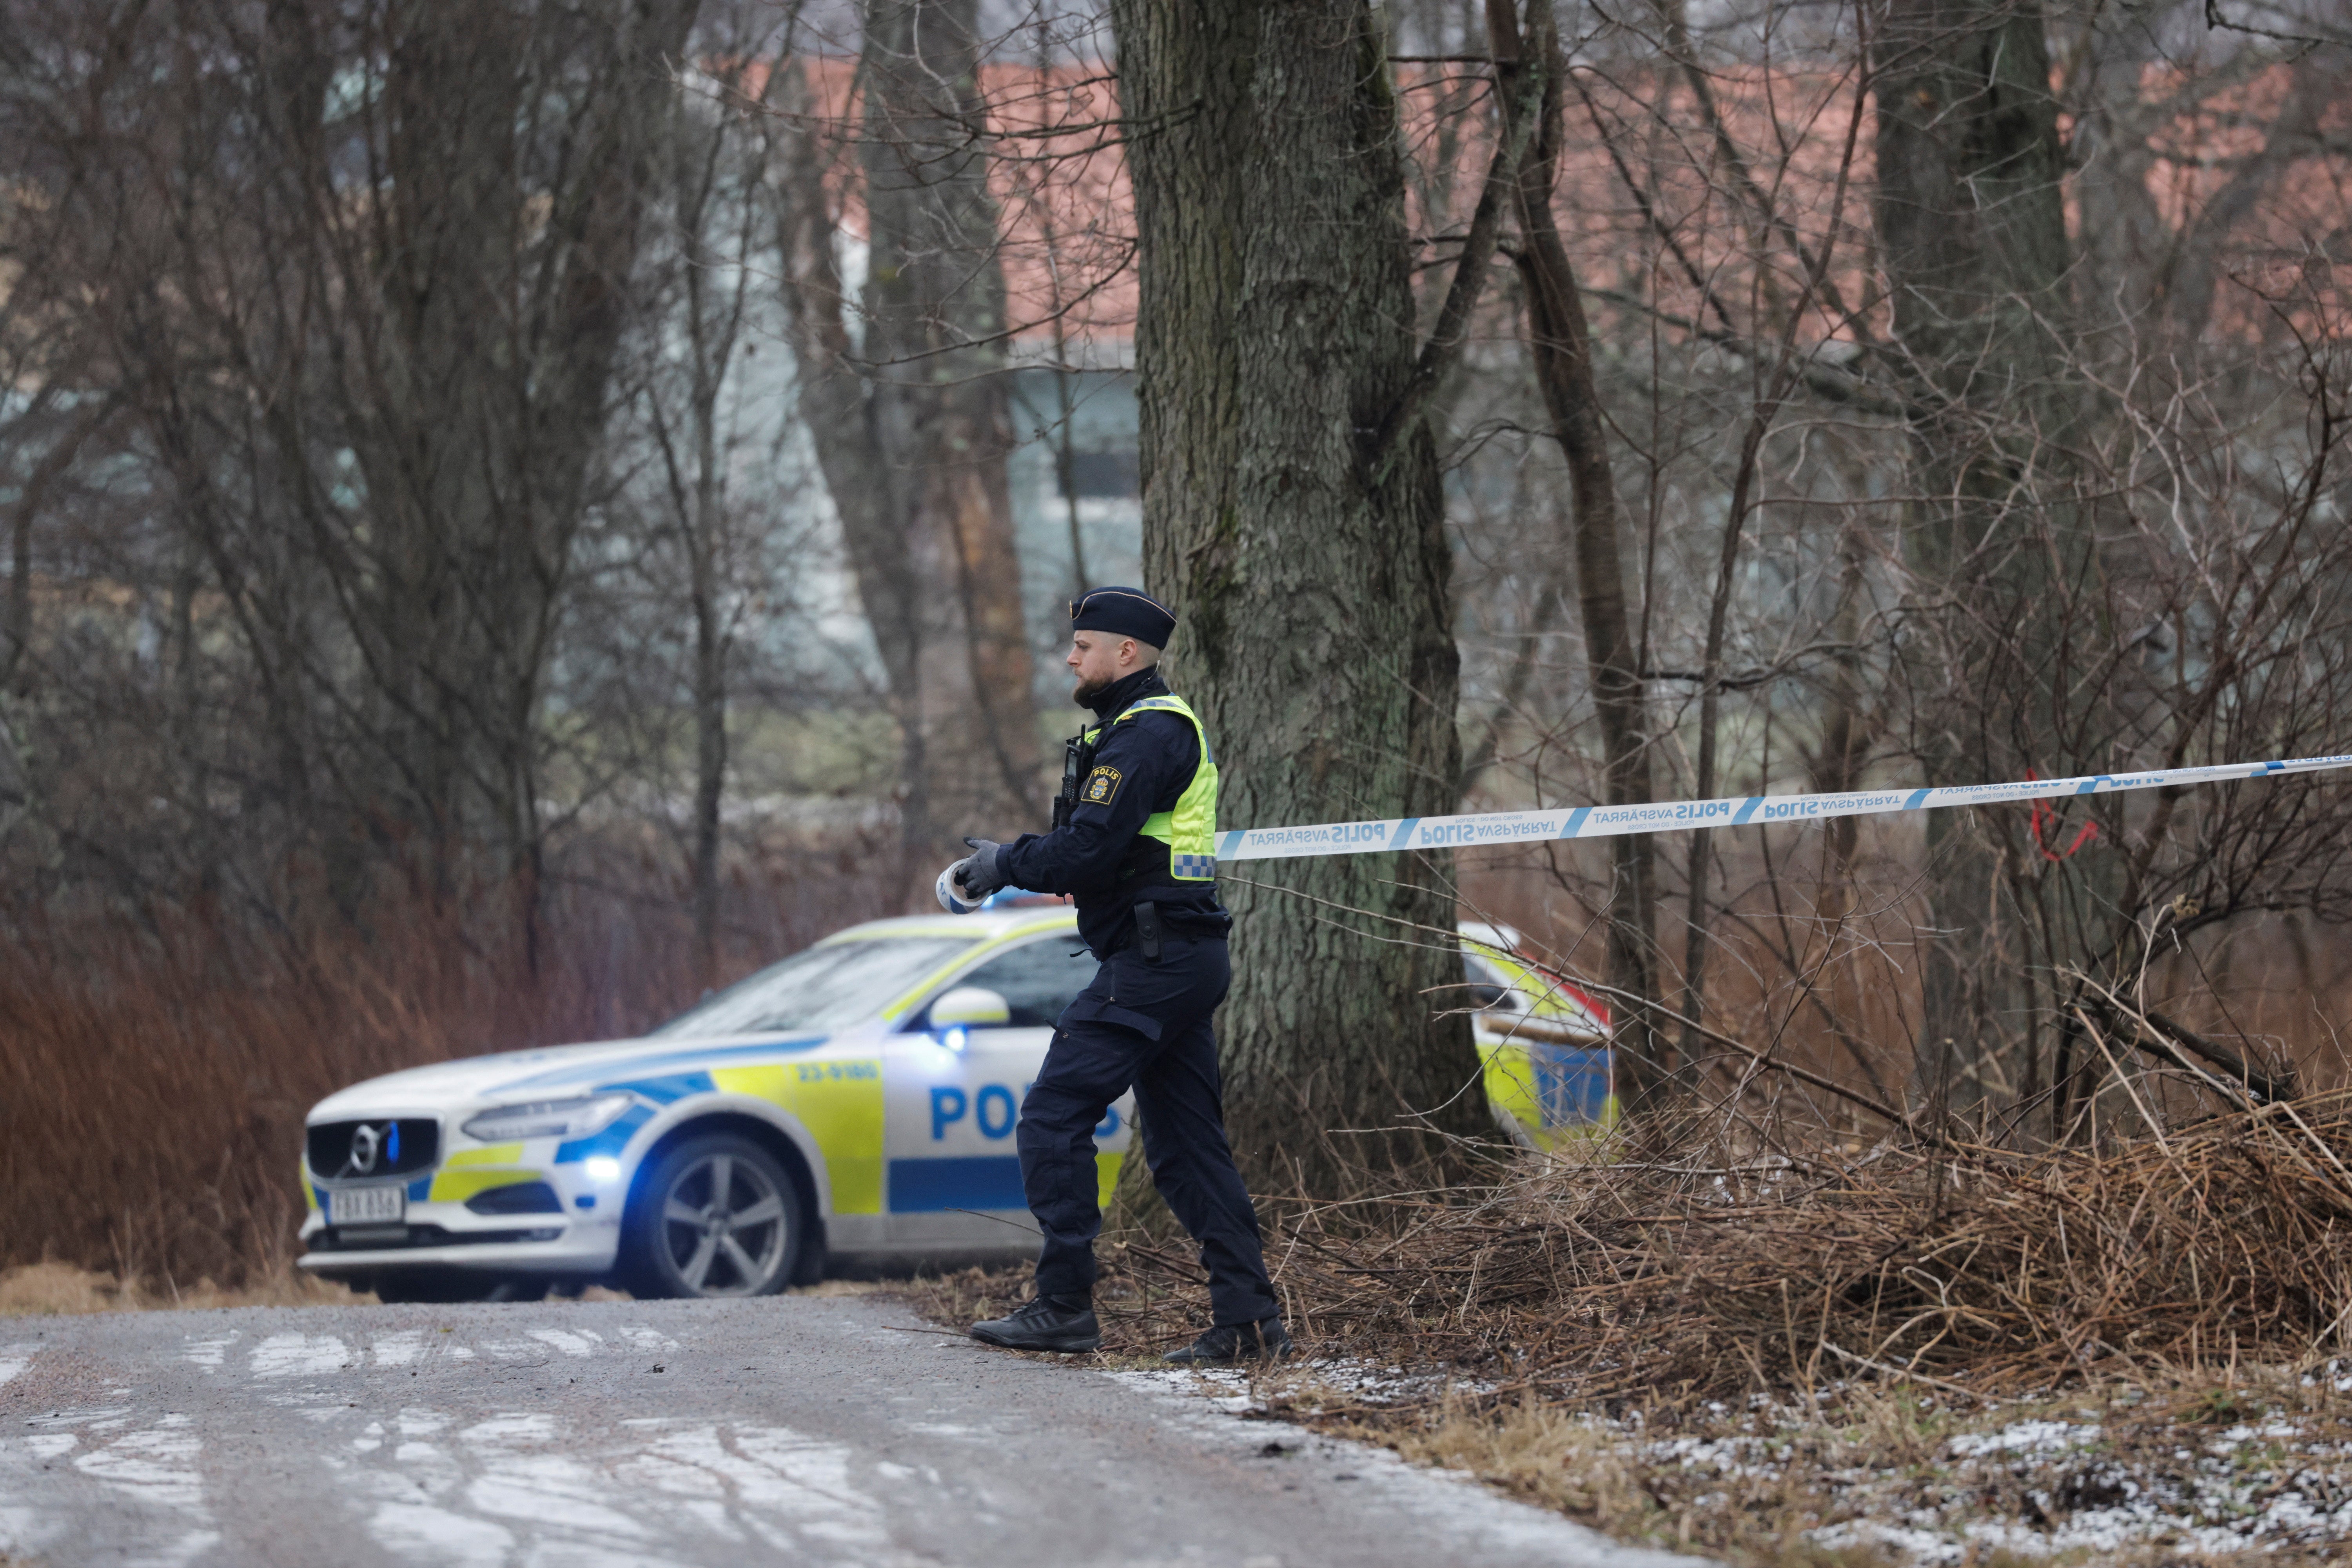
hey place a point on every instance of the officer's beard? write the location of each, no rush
(1086, 693)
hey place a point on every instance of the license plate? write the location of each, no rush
(370, 1205)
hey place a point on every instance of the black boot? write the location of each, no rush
(1064, 1323)
(1228, 1343)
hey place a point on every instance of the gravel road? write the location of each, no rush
(804, 1429)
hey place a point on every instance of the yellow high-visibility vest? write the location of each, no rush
(1189, 830)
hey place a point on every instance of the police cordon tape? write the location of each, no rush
(1481, 828)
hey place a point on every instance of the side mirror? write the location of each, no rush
(1485, 996)
(971, 1007)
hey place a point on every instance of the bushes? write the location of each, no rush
(1698, 1272)
(1698, 1268)
(154, 1073)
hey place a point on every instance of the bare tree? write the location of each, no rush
(1972, 233)
(721, 148)
(364, 296)
(1292, 515)
(1559, 343)
(911, 420)
(397, 503)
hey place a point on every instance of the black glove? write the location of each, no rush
(979, 878)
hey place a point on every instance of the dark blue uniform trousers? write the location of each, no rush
(1143, 1024)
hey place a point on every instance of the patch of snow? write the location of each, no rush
(298, 1356)
(2026, 1437)
(210, 1354)
(417, 1423)
(2217, 1504)
(425, 1532)
(154, 1470)
(513, 1431)
(647, 1340)
(528, 1489)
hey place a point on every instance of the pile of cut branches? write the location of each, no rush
(1695, 1276)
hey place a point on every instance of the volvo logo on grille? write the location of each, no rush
(369, 1143)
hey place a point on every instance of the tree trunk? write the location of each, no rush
(834, 405)
(710, 767)
(715, 164)
(2125, 236)
(913, 430)
(1562, 350)
(1972, 233)
(1308, 568)
(703, 521)
(935, 321)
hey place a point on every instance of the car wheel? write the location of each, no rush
(717, 1215)
(814, 1256)
(437, 1286)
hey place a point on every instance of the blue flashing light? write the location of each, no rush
(1008, 897)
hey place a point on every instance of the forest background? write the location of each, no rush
(518, 513)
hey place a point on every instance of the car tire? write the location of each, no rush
(814, 1256)
(715, 1216)
(435, 1286)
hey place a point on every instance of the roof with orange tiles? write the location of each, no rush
(1656, 205)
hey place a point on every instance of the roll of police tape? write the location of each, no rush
(1480, 828)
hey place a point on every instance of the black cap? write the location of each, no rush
(1123, 613)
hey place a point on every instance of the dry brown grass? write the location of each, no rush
(1733, 1341)
(1758, 1482)
(1772, 1486)
(1701, 1271)
(154, 1072)
(1541, 1452)
(1754, 1484)
(152, 1086)
(48, 1290)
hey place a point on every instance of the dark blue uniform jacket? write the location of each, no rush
(1097, 857)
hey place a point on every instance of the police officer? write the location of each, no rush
(1134, 838)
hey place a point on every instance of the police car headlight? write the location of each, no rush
(581, 1118)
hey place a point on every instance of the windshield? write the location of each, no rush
(824, 988)
(1515, 985)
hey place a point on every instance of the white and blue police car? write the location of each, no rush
(854, 1104)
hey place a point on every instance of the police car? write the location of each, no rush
(853, 1103)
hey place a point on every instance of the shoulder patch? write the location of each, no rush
(1101, 786)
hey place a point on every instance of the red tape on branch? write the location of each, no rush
(2090, 830)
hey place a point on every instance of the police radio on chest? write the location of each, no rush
(1077, 757)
